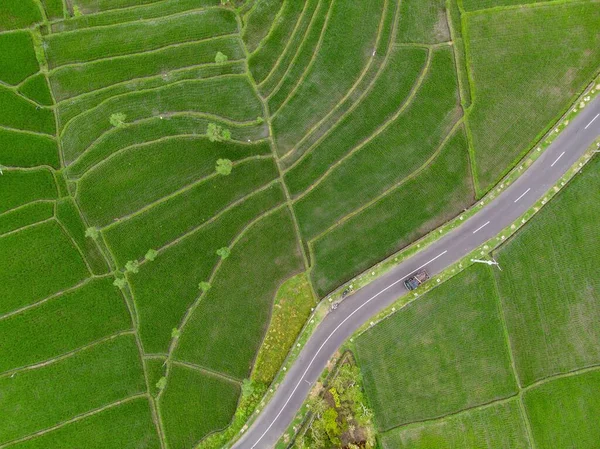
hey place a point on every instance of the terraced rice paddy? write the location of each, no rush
(168, 164)
(505, 359)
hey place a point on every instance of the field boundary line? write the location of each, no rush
(539, 4)
(145, 52)
(192, 308)
(27, 131)
(214, 218)
(20, 84)
(288, 43)
(207, 371)
(271, 28)
(135, 146)
(379, 130)
(168, 115)
(412, 175)
(177, 192)
(75, 419)
(155, 356)
(74, 243)
(187, 12)
(570, 373)
(65, 355)
(356, 104)
(15, 90)
(152, 89)
(27, 169)
(309, 66)
(30, 225)
(309, 28)
(151, 77)
(109, 11)
(22, 206)
(371, 62)
(58, 294)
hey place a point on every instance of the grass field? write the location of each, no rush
(129, 251)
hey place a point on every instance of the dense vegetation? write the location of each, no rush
(503, 359)
(169, 165)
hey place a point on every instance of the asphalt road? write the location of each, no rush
(359, 307)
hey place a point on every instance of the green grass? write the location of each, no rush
(27, 150)
(21, 63)
(165, 288)
(564, 412)
(169, 220)
(141, 11)
(71, 81)
(156, 369)
(390, 90)
(127, 426)
(21, 114)
(460, 56)
(263, 59)
(230, 97)
(63, 324)
(474, 5)
(153, 171)
(70, 218)
(403, 215)
(195, 404)
(499, 426)
(92, 6)
(35, 263)
(37, 399)
(22, 187)
(155, 128)
(18, 14)
(259, 21)
(26, 215)
(136, 37)
(423, 22)
(242, 297)
(346, 47)
(287, 56)
(439, 355)
(395, 153)
(550, 289)
(54, 9)
(527, 67)
(36, 89)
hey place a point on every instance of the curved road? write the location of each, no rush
(358, 308)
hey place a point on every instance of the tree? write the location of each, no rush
(217, 133)
(223, 252)
(76, 11)
(162, 383)
(175, 333)
(92, 233)
(221, 58)
(132, 266)
(224, 167)
(120, 283)
(118, 119)
(204, 286)
(151, 254)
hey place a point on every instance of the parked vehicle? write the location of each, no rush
(416, 279)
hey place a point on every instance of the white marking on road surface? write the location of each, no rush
(523, 194)
(481, 227)
(588, 125)
(327, 339)
(557, 159)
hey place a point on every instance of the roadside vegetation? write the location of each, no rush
(183, 180)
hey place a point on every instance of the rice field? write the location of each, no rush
(168, 165)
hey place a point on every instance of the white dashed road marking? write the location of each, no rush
(557, 159)
(523, 194)
(481, 227)
(588, 125)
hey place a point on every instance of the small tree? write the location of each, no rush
(223, 252)
(92, 233)
(221, 58)
(151, 254)
(259, 119)
(162, 383)
(76, 11)
(175, 333)
(224, 167)
(132, 266)
(118, 119)
(120, 283)
(204, 286)
(217, 133)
